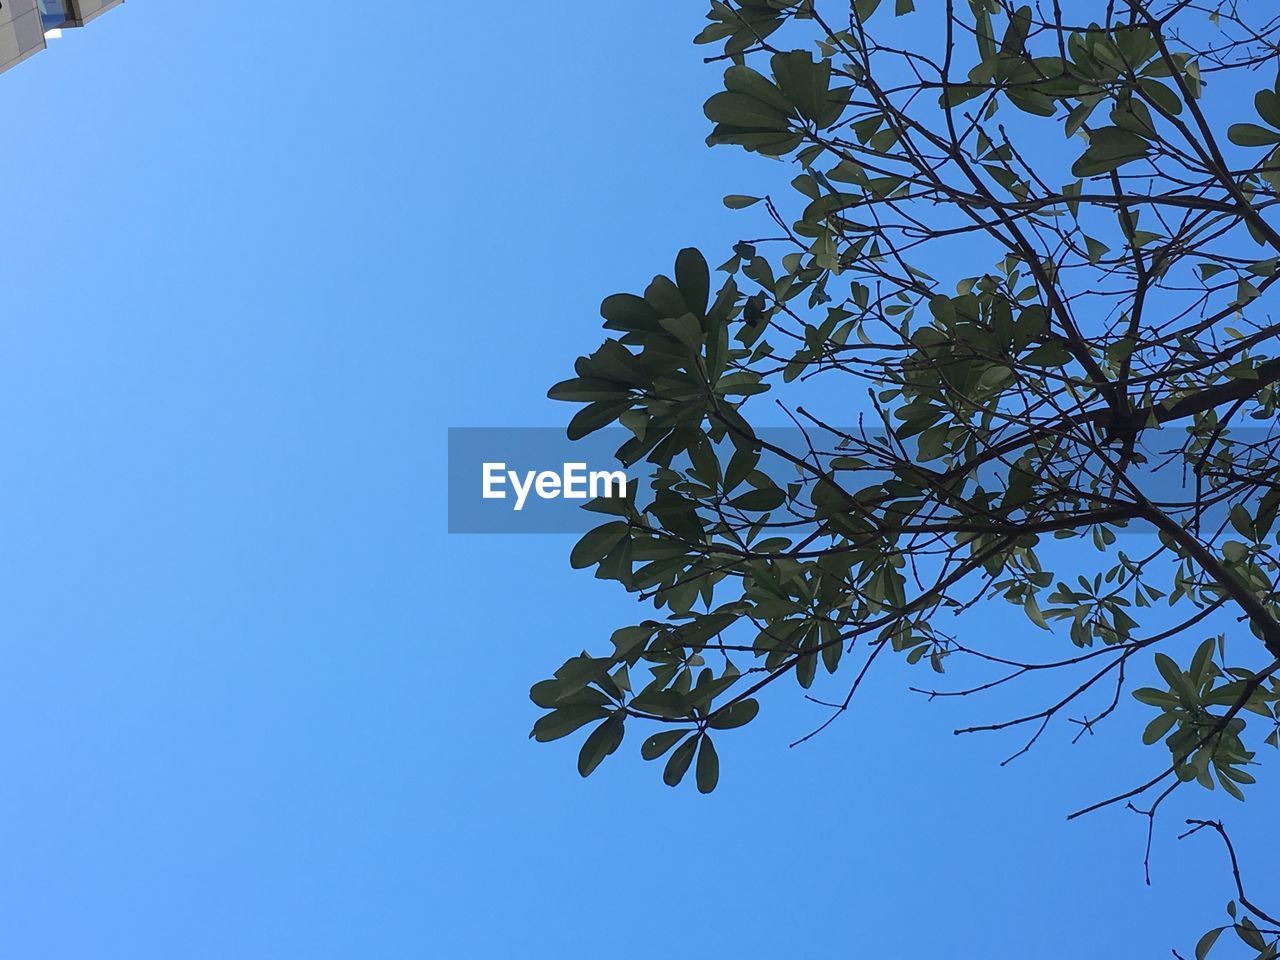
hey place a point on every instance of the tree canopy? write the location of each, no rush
(1028, 251)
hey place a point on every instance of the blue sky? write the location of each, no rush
(256, 703)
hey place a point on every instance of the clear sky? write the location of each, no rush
(255, 703)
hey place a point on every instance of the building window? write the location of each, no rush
(53, 13)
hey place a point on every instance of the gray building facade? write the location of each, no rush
(24, 24)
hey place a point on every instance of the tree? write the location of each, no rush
(1039, 243)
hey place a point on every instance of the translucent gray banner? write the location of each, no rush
(536, 480)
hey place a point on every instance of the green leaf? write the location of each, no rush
(1234, 550)
(807, 670)
(1242, 521)
(758, 501)
(603, 740)
(597, 544)
(1015, 34)
(1171, 672)
(804, 83)
(587, 389)
(745, 81)
(737, 201)
(564, 721)
(1205, 943)
(1195, 84)
(740, 110)
(627, 312)
(1109, 148)
(1252, 135)
(1079, 114)
(1200, 661)
(737, 715)
(1155, 698)
(1268, 104)
(662, 703)
(1158, 727)
(600, 414)
(686, 329)
(678, 765)
(660, 743)
(544, 693)
(708, 772)
(693, 277)
(1247, 931)
(1159, 94)
(865, 8)
(1032, 610)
